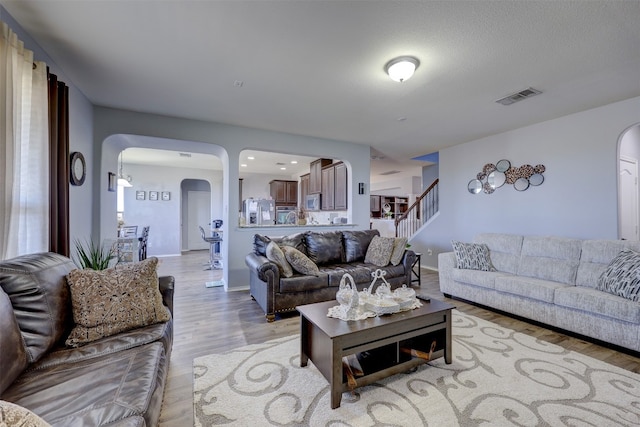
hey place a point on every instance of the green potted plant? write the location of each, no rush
(90, 255)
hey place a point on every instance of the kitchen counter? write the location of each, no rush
(253, 226)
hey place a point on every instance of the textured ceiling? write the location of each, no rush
(316, 67)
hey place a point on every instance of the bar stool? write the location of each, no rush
(214, 264)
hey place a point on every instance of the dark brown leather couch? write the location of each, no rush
(116, 381)
(334, 252)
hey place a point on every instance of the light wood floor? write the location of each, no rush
(210, 320)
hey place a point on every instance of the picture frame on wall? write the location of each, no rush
(166, 195)
(153, 195)
(111, 182)
(140, 195)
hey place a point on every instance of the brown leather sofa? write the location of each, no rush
(117, 381)
(334, 252)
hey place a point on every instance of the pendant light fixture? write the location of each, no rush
(122, 181)
(402, 68)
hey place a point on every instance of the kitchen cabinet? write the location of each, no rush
(284, 192)
(303, 189)
(374, 202)
(334, 187)
(315, 175)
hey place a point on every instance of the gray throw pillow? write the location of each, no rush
(472, 256)
(379, 251)
(275, 254)
(621, 277)
(399, 246)
(300, 262)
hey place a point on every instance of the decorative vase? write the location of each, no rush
(302, 221)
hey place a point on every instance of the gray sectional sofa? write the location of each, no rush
(550, 280)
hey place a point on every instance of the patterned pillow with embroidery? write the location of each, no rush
(472, 256)
(276, 255)
(622, 276)
(114, 300)
(300, 262)
(379, 251)
(15, 415)
(399, 246)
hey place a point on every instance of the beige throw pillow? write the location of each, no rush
(117, 299)
(300, 262)
(379, 251)
(15, 415)
(399, 246)
(275, 254)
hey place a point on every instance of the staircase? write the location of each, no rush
(419, 212)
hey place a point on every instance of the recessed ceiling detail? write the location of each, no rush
(518, 96)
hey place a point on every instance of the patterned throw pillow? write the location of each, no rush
(472, 256)
(622, 276)
(379, 251)
(399, 246)
(300, 262)
(275, 254)
(15, 415)
(117, 299)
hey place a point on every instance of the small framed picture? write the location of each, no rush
(166, 195)
(111, 182)
(140, 195)
(153, 195)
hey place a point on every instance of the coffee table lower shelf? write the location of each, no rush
(378, 342)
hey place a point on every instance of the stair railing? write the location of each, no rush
(425, 206)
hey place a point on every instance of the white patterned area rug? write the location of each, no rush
(498, 377)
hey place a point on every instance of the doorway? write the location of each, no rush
(628, 191)
(196, 212)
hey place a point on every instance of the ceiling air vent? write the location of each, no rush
(185, 154)
(518, 96)
(389, 172)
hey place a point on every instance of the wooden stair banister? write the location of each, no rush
(418, 213)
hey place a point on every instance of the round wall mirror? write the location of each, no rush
(474, 186)
(536, 179)
(521, 184)
(496, 179)
(503, 165)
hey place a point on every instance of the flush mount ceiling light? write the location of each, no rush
(402, 68)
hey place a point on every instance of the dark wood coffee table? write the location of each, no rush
(385, 339)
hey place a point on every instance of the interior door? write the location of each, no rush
(199, 213)
(628, 198)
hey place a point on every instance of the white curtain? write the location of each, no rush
(24, 150)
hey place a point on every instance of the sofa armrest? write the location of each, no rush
(408, 259)
(166, 285)
(267, 270)
(446, 264)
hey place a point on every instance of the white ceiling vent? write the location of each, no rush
(390, 172)
(185, 154)
(518, 96)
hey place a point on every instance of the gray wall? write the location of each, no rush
(577, 199)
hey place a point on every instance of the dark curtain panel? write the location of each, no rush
(59, 166)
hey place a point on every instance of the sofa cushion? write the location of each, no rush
(528, 287)
(300, 262)
(622, 276)
(13, 357)
(296, 240)
(303, 283)
(379, 251)
(117, 299)
(399, 246)
(472, 256)
(596, 256)
(324, 248)
(260, 243)
(360, 272)
(15, 415)
(275, 254)
(504, 250)
(602, 303)
(39, 294)
(356, 243)
(550, 258)
(483, 279)
(96, 391)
